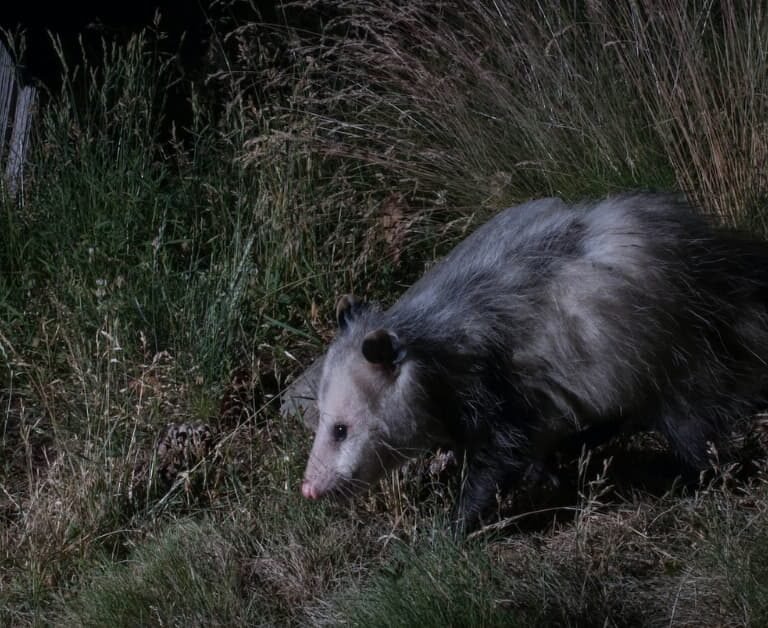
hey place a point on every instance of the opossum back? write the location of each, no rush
(601, 306)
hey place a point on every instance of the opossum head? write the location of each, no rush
(370, 406)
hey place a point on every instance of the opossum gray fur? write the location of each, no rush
(548, 321)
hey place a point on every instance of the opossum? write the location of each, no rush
(547, 323)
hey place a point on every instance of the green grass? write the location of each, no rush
(148, 281)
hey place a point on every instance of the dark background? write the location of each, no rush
(188, 25)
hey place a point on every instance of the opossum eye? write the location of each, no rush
(339, 432)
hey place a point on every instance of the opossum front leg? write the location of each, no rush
(495, 461)
(478, 496)
(483, 482)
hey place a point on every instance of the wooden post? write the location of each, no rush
(7, 71)
(17, 153)
(14, 131)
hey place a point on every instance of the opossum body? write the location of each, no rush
(548, 321)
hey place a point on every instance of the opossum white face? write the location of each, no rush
(368, 409)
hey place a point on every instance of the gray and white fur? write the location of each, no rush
(548, 322)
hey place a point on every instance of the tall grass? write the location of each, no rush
(159, 274)
(140, 273)
(700, 70)
(486, 103)
(482, 104)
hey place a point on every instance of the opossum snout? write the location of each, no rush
(309, 491)
(318, 489)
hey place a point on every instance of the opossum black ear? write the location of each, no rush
(347, 308)
(383, 347)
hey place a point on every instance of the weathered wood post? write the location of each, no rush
(17, 104)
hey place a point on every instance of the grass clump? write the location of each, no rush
(699, 70)
(482, 104)
(184, 577)
(437, 583)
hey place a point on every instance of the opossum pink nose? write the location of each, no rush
(309, 491)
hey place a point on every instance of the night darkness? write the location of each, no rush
(186, 24)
